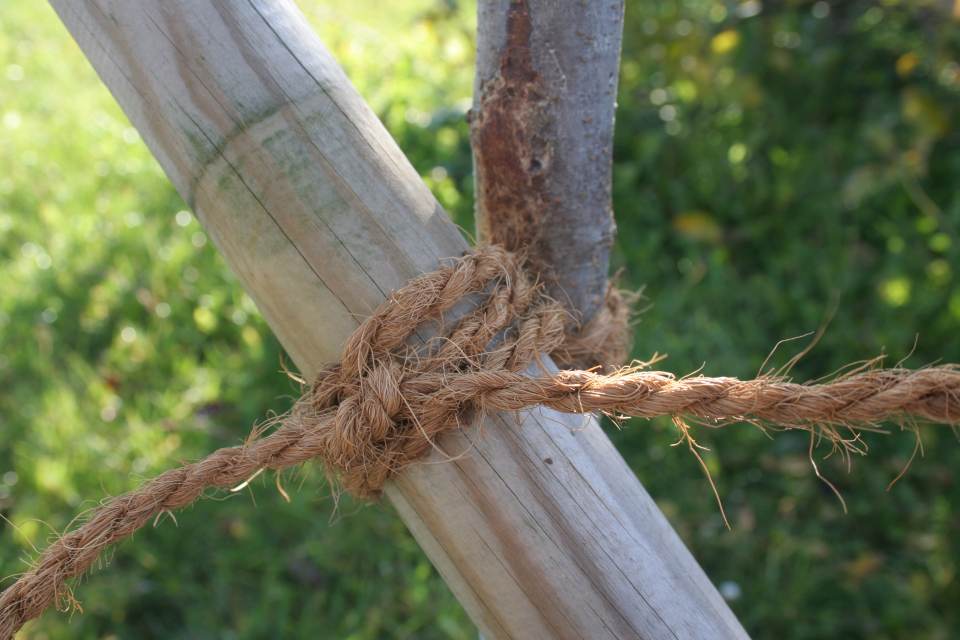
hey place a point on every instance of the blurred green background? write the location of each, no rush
(774, 161)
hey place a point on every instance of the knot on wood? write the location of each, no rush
(397, 387)
(400, 384)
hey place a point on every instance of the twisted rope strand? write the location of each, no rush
(384, 404)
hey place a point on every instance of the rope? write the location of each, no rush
(385, 403)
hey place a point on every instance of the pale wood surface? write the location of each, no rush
(542, 132)
(540, 530)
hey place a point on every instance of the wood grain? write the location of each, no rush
(540, 529)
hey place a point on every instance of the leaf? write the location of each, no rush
(698, 225)
(924, 112)
(907, 63)
(725, 41)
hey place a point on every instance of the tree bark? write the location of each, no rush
(542, 134)
(539, 529)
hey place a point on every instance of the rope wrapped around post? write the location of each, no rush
(385, 403)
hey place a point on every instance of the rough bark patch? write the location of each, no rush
(512, 133)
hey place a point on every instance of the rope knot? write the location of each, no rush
(400, 383)
(461, 340)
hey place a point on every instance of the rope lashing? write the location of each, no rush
(383, 406)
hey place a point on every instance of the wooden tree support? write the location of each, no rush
(540, 530)
(542, 138)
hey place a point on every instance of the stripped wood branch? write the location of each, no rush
(542, 134)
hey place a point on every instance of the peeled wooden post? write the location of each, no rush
(540, 529)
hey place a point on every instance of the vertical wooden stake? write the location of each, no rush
(542, 137)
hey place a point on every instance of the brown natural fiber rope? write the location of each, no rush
(605, 340)
(383, 406)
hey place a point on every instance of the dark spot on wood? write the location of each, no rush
(548, 460)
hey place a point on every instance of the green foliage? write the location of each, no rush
(775, 163)
(774, 170)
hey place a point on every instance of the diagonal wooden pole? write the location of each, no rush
(540, 530)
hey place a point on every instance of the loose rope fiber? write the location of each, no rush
(387, 401)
